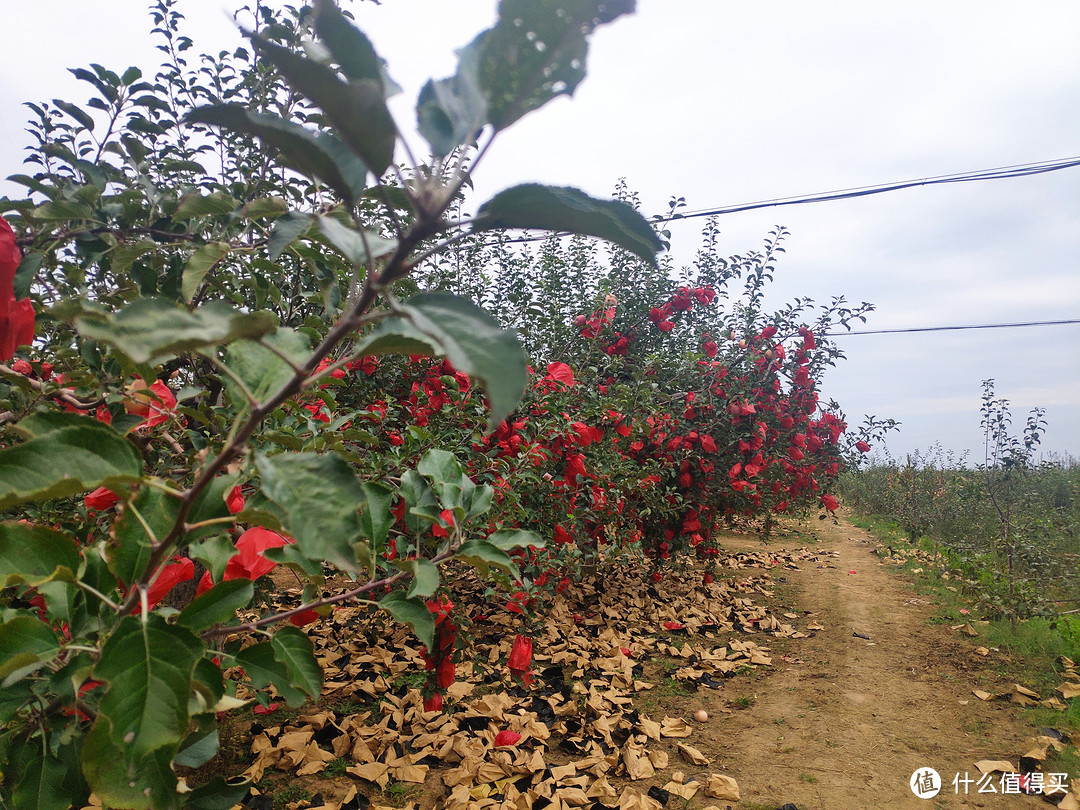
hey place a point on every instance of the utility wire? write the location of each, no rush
(999, 173)
(949, 328)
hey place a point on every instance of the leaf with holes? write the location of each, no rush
(350, 46)
(537, 51)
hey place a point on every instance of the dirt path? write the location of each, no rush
(844, 722)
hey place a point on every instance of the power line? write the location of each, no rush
(998, 173)
(950, 328)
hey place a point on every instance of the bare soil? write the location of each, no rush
(845, 721)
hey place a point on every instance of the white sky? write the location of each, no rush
(722, 103)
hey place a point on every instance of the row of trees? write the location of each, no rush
(1008, 523)
(265, 335)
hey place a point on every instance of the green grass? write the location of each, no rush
(411, 680)
(397, 793)
(286, 793)
(885, 530)
(1037, 639)
(667, 663)
(1032, 647)
(1067, 761)
(352, 706)
(337, 767)
(670, 687)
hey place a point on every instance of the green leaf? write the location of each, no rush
(122, 256)
(318, 495)
(568, 209)
(286, 231)
(62, 209)
(440, 323)
(96, 574)
(349, 46)
(13, 698)
(509, 539)
(129, 547)
(121, 779)
(419, 500)
(24, 275)
(479, 500)
(217, 794)
(450, 112)
(79, 455)
(375, 516)
(75, 112)
(264, 669)
(214, 553)
(425, 577)
(413, 612)
(265, 208)
(210, 505)
(26, 645)
(262, 371)
(199, 264)
(199, 205)
(200, 746)
(357, 108)
(217, 605)
(40, 783)
(537, 51)
(484, 556)
(447, 478)
(319, 156)
(295, 650)
(35, 554)
(441, 466)
(148, 665)
(152, 328)
(207, 687)
(359, 248)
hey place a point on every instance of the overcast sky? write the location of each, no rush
(724, 103)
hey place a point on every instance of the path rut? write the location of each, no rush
(846, 721)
